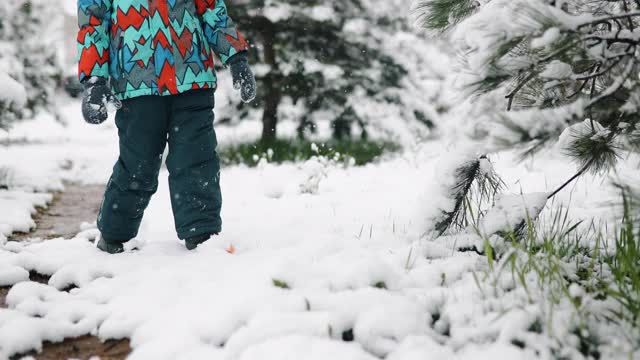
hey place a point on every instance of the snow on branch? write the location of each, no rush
(473, 181)
(555, 64)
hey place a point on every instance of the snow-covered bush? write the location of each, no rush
(281, 151)
(28, 57)
(317, 169)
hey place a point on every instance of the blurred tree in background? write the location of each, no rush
(322, 54)
(28, 55)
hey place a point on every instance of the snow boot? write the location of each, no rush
(109, 247)
(194, 242)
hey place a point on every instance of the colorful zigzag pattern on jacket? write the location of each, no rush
(155, 47)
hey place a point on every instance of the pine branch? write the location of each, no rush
(515, 91)
(440, 15)
(605, 71)
(616, 85)
(585, 80)
(531, 145)
(600, 20)
(582, 171)
(596, 149)
(584, 73)
(471, 182)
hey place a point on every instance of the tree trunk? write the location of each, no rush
(272, 91)
(270, 116)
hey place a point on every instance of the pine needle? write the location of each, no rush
(472, 183)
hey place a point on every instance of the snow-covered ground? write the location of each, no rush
(349, 260)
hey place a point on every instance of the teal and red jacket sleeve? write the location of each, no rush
(94, 18)
(219, 29)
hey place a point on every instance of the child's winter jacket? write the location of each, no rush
(155, 47)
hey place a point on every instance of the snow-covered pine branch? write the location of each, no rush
(473, 181)
(541, 71)
(555, 64)
(440, 15)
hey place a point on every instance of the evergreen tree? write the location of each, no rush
(567, 67)
(9, 107)
(13, 97)
(318, 53)
(28, 55)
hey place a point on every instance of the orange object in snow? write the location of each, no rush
(231, 249)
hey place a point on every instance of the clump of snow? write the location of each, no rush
(306, 347)
(277, 11)
(381, 329)
(16, 177)
(486, 167)
(316, 170)
(331, 73)
(322, 13)
(547, 39)
(13, 94)
(17, 208)
(273, 187)
(420, 348)
(512, 211)
(557, 70)
(10, 275)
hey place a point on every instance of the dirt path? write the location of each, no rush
(77, 204)
(69, 209)
(3, 297)
(83, 348)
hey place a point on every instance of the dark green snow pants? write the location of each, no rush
(145, 125)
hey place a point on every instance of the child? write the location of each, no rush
(153, 59)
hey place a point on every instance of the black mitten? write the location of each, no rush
(243, 78)
(97, 96)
